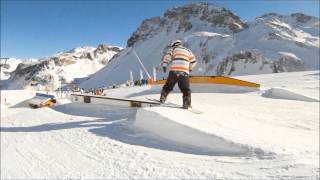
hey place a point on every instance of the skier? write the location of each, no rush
(182, 61)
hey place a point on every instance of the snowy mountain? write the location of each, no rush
(222, 42)
(64, 67)
(10, 65)
(7, 66)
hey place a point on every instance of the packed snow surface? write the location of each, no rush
(239, 135)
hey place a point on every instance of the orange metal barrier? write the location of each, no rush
(215, 80)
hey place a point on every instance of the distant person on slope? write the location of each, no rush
(182, 61)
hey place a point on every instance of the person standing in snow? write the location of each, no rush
(182, 61)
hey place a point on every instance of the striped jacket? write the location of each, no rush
(181, 59)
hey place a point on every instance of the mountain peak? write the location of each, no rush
(270, 15)
(184, 18)
(79, 49)
(105, 48)
(299, 18)
(194, 9)
(303, 18)
(212, 14)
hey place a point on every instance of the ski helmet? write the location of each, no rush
(176, 43)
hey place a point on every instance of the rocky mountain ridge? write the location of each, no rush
(62, 68)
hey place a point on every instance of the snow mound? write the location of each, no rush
(63, 101)
(288, 54)
(206, 34)
(278, 93)
(185, 134)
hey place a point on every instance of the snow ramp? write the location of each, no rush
(278, 93)
(189, 132)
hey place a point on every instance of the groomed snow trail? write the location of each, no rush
(255, 137)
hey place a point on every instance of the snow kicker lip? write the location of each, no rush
(278, 93)
(209, 144)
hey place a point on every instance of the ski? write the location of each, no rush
(173, 105)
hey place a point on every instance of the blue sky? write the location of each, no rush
(34, 29)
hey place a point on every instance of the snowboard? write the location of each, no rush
(173, 105)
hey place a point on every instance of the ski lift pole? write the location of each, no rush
(145, 70)
(2, 64)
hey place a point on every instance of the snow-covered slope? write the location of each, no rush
(223, 44)
(238, 136)
(64, 67)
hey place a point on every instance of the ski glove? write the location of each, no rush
(164, 69)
